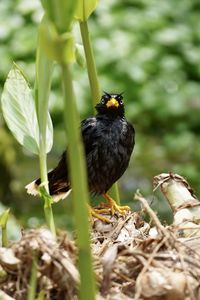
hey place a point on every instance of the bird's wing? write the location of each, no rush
(89, 133)
(127, 135)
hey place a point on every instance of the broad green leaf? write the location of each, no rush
(19, 112)
(84, 9)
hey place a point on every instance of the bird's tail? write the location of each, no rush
(59, 186)
(32, 188)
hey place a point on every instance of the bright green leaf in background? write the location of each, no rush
(84, 9)
(19, 112)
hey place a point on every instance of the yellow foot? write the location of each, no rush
(113, 206)
(95, 213)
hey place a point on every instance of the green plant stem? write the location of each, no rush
(42, 89)
(41, 295)
(49, 215)
(79, 184)
(3, 224)
(114, 193)
(47, 199)
(91, 66)
(33, 279)
(94, 84)
(4, 237)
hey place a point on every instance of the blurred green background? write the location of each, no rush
(150, 50)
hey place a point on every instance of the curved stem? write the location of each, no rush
(94, 84)
(91, 66)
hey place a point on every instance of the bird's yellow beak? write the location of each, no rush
(112, 103)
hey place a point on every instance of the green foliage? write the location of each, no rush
(153, 55)
(19, 112)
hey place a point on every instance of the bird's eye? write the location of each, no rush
(104, 99)
(120, 99)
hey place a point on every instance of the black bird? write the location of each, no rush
(108, 142)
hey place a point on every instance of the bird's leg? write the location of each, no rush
(94, 213)
(113, 206)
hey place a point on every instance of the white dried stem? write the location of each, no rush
(182, 200)
(176, 189)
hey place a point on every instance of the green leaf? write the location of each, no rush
(19, 112)
(84, 9)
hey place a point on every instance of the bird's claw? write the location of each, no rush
(113, 207)
(107, 208)
(120, 209)
(95, 213)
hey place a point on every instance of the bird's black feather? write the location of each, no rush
(108, 141)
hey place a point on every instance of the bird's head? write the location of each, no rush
(111, 104)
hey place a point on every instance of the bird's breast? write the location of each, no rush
(109, 156)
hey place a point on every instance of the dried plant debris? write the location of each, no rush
(57, 273)
(129, 261)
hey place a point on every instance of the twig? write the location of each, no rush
(138, 196)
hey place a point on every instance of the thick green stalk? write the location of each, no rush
(79, 184)
(33, 280)
(94, 83)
